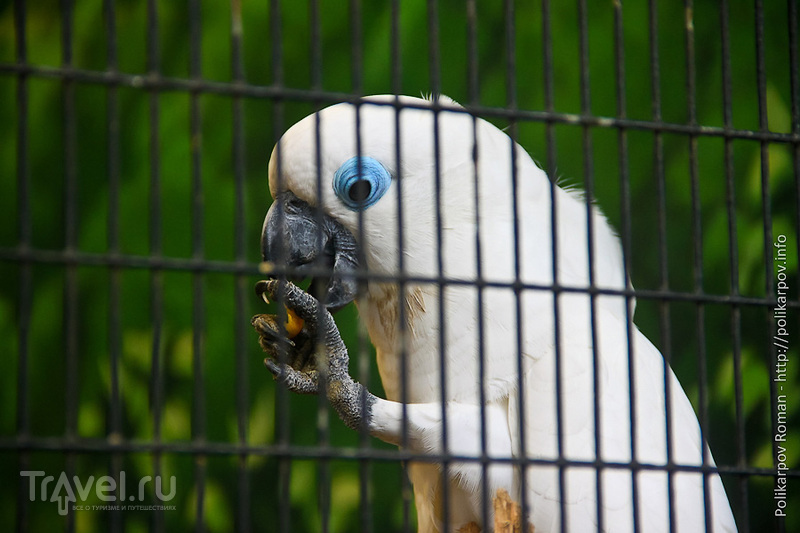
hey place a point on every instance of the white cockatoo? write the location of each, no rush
(442, 229)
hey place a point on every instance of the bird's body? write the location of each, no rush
(475, 217)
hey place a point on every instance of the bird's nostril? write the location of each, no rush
(293, 204)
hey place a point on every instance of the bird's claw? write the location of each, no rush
(269, 331)
(316, 354)
(291, 361)
(299, 381)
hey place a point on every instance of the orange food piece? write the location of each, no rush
(293, 323)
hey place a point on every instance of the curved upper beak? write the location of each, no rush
(306, 241)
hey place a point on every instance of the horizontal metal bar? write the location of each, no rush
(38, 255)
(155, 81)
(338, 452)
(73, 257)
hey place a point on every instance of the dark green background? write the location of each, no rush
(213, 346)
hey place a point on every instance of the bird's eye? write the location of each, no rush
(359, 191)
(360, 182)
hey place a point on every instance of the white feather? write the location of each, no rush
(503, 233)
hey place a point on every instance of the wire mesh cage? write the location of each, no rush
(135, 153)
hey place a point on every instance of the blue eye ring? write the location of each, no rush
(360, 182)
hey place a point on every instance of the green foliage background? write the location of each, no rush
(189, 342)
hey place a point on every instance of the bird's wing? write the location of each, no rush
(539, 435)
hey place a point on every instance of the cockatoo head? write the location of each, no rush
(350, 181)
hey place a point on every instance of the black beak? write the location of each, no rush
(306, 242)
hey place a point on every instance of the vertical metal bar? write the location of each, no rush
(547, 82)
(397, 84)
(473, 90)
(154, 238)
(697, 248)
(198, 292)
(284, 454)
(356, 51)
(114, 322)
(733, 255)
(473, 84)
(365, 465)
(434, 58)
(365, 468)
(513, 131)
(405, 483)
(71, 307)
(663, 257)
(510, 59)
(281, 393)
(434, 70)
(323, 417)
(241, 292)
(588, 177)
(396, 50)
(316, 45)
(625, 231)
(549, 100)
(363, 362)
(550, 138)
(25, 273)
(486, 496)
(596, 370)
(590, 256)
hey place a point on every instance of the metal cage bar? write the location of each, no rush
(25, 275)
